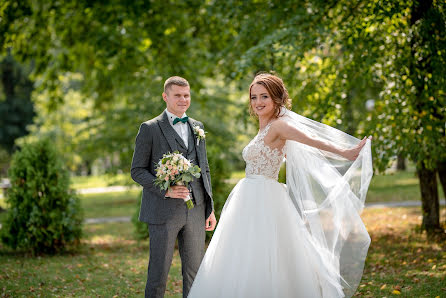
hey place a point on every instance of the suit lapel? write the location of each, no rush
(194, 141)
(200, 155)
(168, 132)
(191, 139)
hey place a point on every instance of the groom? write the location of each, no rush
(165, 212)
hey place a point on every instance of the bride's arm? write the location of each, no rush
(286, 131)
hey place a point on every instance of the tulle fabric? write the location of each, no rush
(262, 248)
(329, 192)
(303, 240)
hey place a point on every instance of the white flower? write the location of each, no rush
(199, 133)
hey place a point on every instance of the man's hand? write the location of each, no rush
(211, 222)
(177, 192)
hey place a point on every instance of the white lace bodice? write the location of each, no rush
(260, 158)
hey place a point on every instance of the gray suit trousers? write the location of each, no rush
(189, 227)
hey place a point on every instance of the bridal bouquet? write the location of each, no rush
(175, 169)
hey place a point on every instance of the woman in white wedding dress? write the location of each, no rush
(305, 239)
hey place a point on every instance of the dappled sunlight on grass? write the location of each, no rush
(111, 262)
(109, 240)
(400, 257)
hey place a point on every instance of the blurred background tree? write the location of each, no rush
(336, 56)
(16, 107)
(366, 67)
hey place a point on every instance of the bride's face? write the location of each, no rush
(261, 101)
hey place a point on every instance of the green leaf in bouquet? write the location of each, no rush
(166, 185)
(187, 178)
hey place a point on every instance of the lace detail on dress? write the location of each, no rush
(260, 158)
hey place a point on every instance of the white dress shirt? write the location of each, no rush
(181, 128)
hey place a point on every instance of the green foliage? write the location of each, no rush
(5, 159)
(44, 215)
(220, 172)
(119, 53)
(332, 55)
(16, 108)
(335, 55)
(140, 228)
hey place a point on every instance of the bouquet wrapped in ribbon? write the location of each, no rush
(175, 169)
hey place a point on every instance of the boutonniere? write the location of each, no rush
(199, 133)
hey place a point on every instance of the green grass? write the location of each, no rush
(400, 258)
(103, 204)
(397, 187)
(110, 262)
(110, 204)
(79, 182)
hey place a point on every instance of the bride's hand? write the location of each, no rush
(352, 154)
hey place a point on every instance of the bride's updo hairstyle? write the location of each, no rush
(276, 89)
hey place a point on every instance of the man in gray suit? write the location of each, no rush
(165, 212)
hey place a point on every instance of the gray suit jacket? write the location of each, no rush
(155, 138)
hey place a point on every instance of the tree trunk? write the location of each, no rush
(401, 163)
(429, 200)
(442, 176)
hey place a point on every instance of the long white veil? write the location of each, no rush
(329, 193)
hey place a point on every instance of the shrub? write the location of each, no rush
(141, 230)
(44, 215)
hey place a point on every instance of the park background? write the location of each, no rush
(85, 74)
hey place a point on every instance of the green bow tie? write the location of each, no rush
(184, 120)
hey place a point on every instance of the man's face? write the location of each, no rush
(177, 99)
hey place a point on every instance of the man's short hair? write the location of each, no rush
(175, 80)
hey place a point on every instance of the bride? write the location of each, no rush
(305, 239)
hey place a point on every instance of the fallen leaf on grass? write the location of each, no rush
(383, 286)
(396, 292)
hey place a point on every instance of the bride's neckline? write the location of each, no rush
(266, 126)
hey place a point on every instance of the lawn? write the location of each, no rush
(79, 182)
(110, 262)
(110, 204)
(104, 204)
(400, 259)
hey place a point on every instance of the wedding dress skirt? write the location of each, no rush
(262, 248)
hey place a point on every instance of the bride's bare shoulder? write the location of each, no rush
(280, 124)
